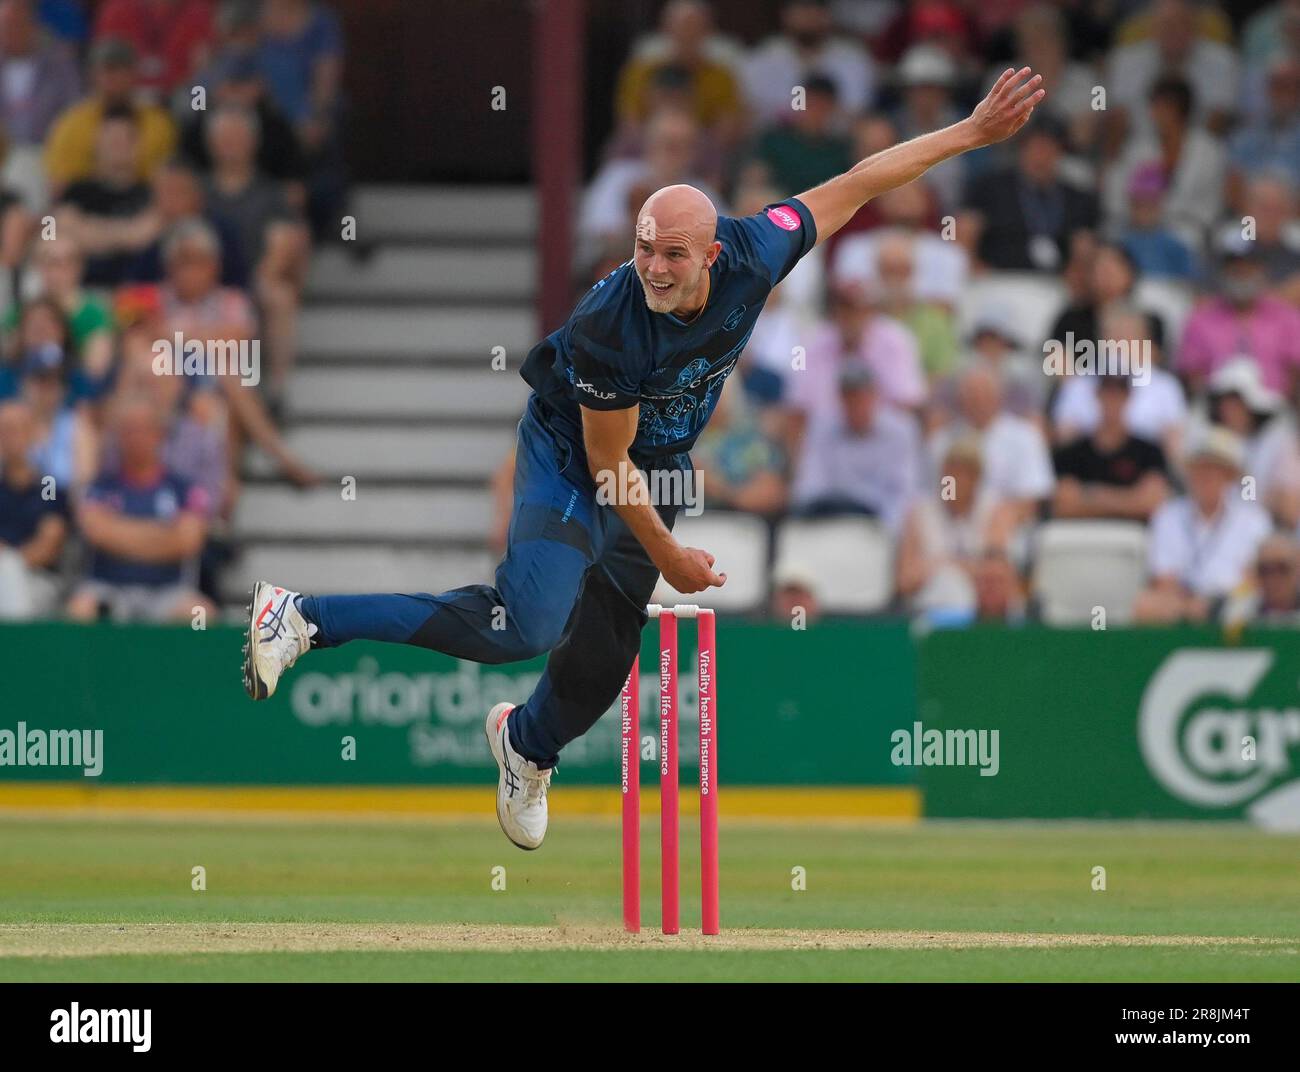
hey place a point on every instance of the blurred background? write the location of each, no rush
(395, 199)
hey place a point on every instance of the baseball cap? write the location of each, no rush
(1218, 444)
(926, 65)
(1241, 376)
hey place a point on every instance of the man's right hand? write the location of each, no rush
(688, 569)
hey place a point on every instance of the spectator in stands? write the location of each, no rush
(1193, 161)
(16, 226)
(1042, 42)
(808, 147)
(1202, 544)
(196, 441)
(60, 267)
(1156, 249)
(807, 44)
(1025, 217)
(946, 530)
(193, 302)
(1175, 49)
(235, 80)
(1110, 473)
(709, 87)
(928, 76)
(931, 324)
(144, 527)
(1264, 33)
(618, 189)
(1106, 277)
(271, 234)
(1254, 80)
(71, 147)
(942, 267)
(33, 521)
(1016, 466)
(1271, 595)
(1270, 201)
(64, 444)
(178, 195)
(794, 592)
(1157, 408)
(302, 57)
(1270, 143)
(1240, 402)
(171, 37)
(857, 335)
(107, 213)
(863, 459)
(740, 466)
(997, 343)
(1241, 318)
(999, 589)
(38, 80)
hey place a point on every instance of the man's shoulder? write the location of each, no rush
(609, 310)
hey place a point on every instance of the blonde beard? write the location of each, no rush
(676, 297)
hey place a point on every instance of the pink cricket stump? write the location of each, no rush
(630, 710)
(668, 830)
(708, 670)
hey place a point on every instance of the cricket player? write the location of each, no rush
(622, 389)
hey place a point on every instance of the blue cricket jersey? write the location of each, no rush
(614, 352)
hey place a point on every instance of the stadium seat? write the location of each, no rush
(1079, 565)
(1032, 301)
(850, 560)
(739, 542)
(1169, 300)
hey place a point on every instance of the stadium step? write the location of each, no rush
(423, 273)
(407, 393)
(400, 513)
(376, 568)
(355, 330)
(460, 453)
(479, 214)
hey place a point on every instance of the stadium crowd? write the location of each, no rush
(1147, 211)
(164, 166)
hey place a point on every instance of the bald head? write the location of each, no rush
(676, 243)
(679, 208)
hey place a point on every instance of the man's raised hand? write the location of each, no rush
(1008, 106)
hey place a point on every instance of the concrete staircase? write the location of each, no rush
(395, 387)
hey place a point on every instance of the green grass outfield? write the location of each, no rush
(111, 899)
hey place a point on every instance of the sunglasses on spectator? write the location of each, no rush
(1275, 567)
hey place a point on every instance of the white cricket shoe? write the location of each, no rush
(521, 790)
(277, 635)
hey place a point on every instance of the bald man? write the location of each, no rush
(620, 392)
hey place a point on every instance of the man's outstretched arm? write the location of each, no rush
(1005, 110)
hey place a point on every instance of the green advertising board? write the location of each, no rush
(1140, 723)
(795, 707)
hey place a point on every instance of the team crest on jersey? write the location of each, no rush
(691, 375)
(733, 318)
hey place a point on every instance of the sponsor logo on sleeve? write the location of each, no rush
(784, 217)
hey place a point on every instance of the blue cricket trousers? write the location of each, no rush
(574, 582)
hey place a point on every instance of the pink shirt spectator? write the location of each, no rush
(887, 348)
(1269, 334)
